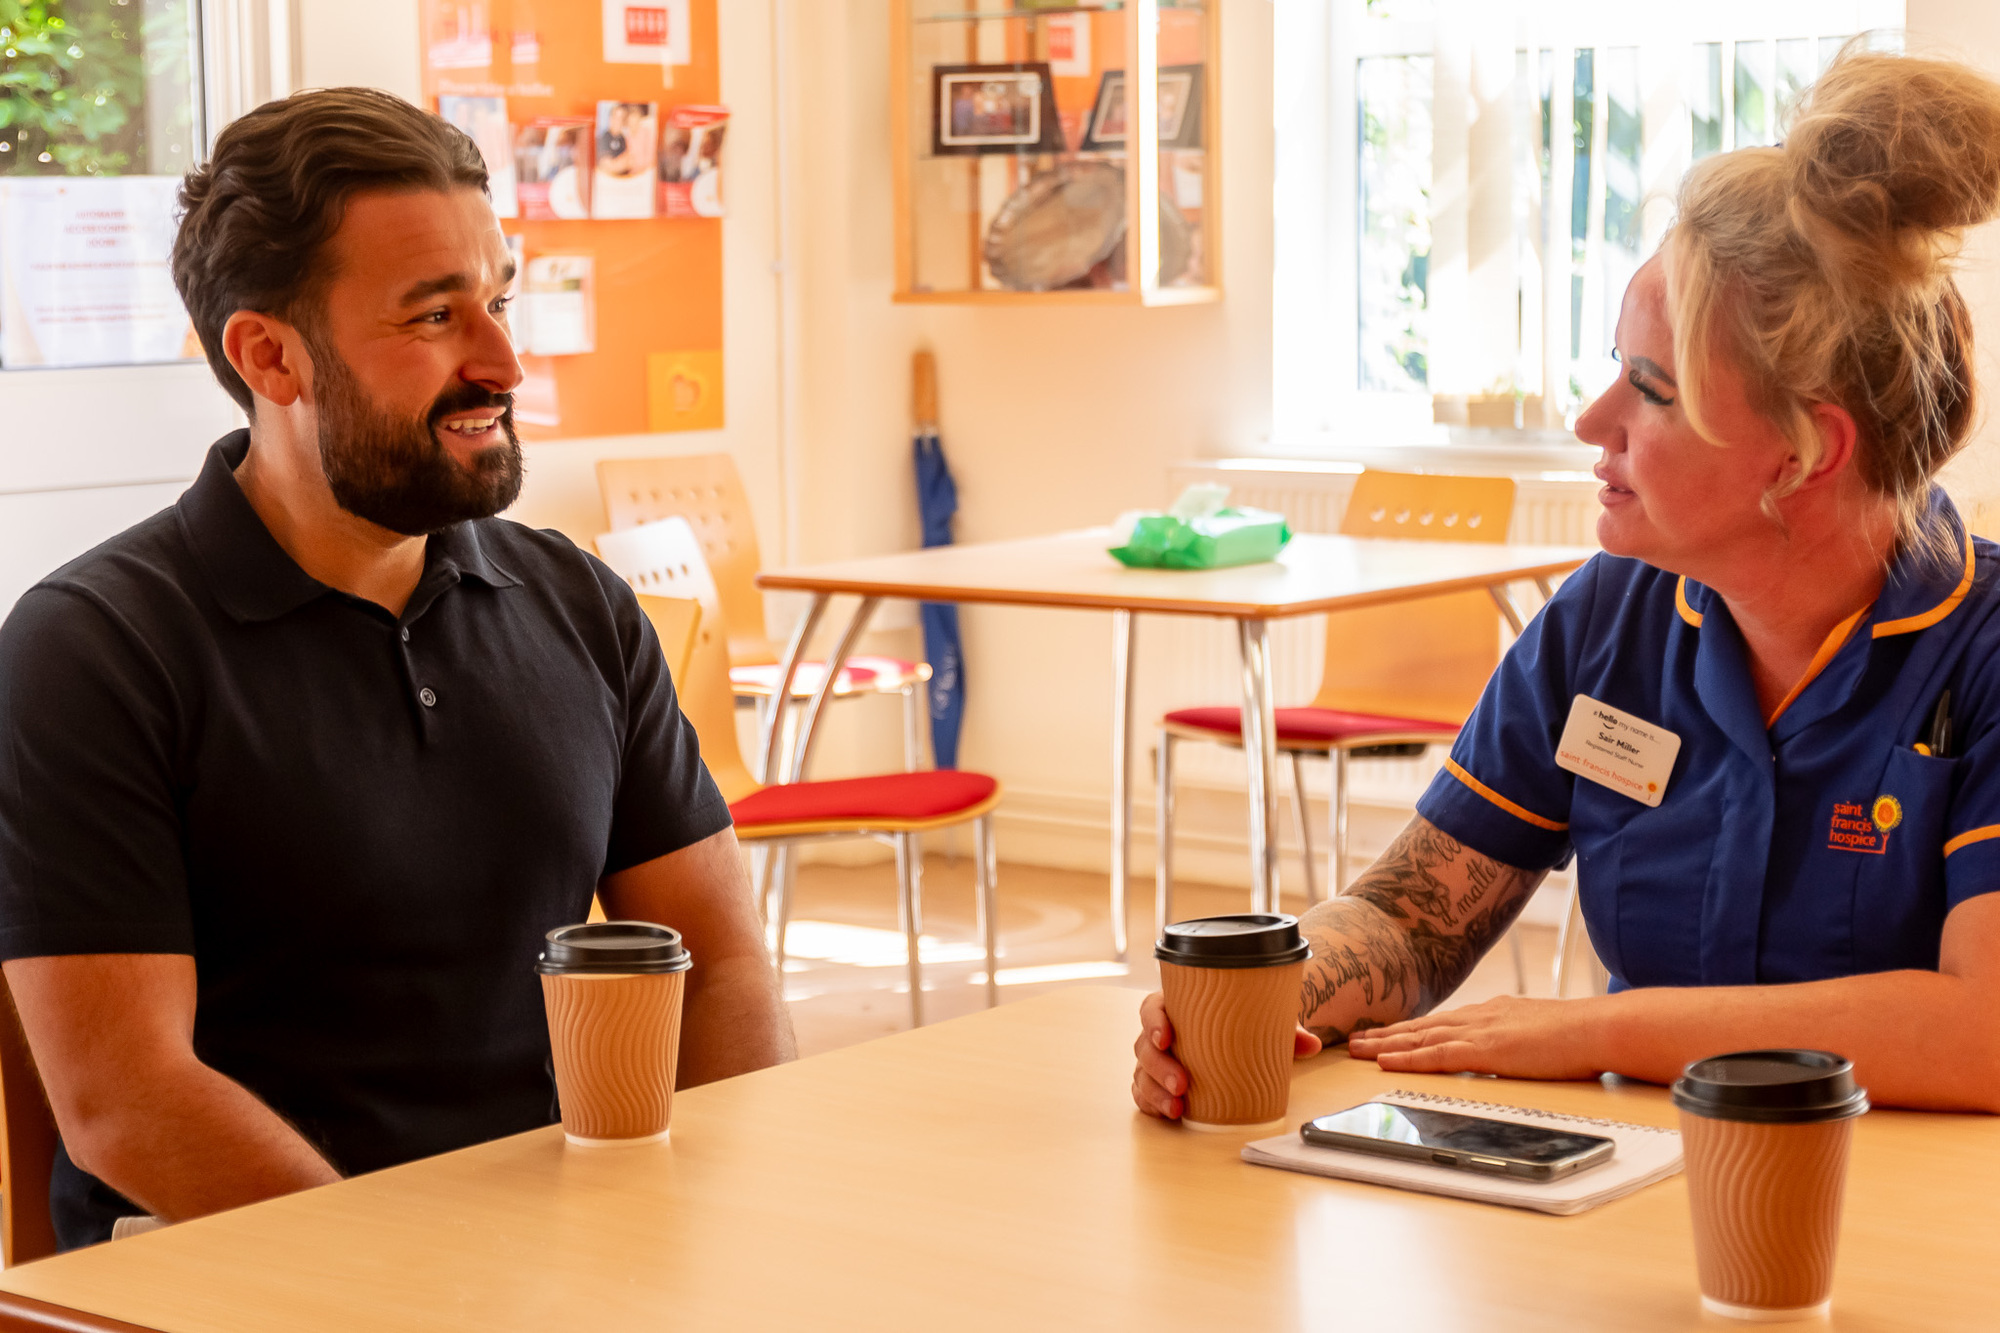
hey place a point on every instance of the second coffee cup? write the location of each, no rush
(1765, 1134)
(613, 991)
(1231, 987)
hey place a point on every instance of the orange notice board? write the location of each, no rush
(599, 124)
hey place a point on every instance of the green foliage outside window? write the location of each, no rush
(95, 87)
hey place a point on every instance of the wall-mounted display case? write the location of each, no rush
(1057, 152)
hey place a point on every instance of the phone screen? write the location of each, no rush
(1457, 1133)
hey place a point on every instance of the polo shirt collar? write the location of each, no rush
(252, 576)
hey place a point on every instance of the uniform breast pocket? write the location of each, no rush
(1899, 893)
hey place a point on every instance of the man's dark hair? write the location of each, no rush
(257, 215)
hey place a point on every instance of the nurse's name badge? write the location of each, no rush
(1614, 749)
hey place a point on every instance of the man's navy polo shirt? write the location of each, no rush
(359, 825)
(1816, 844)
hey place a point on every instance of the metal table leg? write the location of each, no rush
(809, 724)
(1260, 750)
(1123, 629)
(774, 718)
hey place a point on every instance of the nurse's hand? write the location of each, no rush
(1160, 1083)
(1508, 1036)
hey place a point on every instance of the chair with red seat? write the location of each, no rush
(1396, 678)
(707, 491)
(665, 558)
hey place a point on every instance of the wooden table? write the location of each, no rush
(1315, 573)
(990, 1173)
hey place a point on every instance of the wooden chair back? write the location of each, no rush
(27, 1146)
(1429, 658)
(676, 620)
(707, 491)
(663, 561)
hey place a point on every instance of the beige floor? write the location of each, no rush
(847, 979)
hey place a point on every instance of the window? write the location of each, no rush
(1463, 192)
(100, 114)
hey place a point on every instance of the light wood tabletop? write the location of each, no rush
(1315, 572)
(990, 1173)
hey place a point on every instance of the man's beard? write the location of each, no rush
(394, 471)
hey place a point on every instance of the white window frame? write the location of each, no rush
(1318, 409)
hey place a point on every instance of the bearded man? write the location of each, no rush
(300, 770)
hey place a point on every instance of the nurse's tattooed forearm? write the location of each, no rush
(1406, 934)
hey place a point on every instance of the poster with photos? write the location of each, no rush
(690, 173)
(552, 157)
(484, 120)
(627, 143)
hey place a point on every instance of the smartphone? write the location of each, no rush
(1462, 1142)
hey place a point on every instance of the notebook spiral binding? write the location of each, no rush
(1465, 1104)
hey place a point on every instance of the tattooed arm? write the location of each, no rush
(1405, 935)
(1392, 946)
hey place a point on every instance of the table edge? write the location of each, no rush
(25, 1314)
(835, 584)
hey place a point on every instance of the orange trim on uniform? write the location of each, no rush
(1835, 640)
(1451, 766)
(1970, 836)
(1688, 613)
(1925, 620)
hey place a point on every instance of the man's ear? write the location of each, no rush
(269, 354)
(1838, 439)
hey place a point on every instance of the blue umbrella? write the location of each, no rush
(937, 501)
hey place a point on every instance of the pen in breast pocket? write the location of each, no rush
(1940, 742)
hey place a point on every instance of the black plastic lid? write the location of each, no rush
(1772, 1087)
(1254, 939)
(614, 946)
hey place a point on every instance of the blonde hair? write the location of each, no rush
(1822, 269)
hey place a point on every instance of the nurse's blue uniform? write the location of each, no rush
(1816, 843)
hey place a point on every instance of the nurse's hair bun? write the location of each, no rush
(1821, 270)
(1890, 155)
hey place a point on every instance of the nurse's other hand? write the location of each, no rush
(1508, 1036)
(1160, 1082)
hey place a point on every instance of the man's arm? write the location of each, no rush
(1404, 936)
(113, 1037)
(734, 1019)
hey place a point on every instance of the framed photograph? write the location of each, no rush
(1180, 110)
(994, 109)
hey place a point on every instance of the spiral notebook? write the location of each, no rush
(1644, 1154)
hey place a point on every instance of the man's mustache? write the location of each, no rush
(465, 398)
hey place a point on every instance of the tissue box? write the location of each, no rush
(1210, 541)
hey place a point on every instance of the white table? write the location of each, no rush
(1315, 573)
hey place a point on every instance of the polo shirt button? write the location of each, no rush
(428, 695)
(406, 634)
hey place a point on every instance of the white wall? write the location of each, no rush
(1970, 30)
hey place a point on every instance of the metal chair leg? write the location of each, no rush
(985, 876)
(1520, 959)
(913, 749)
(1163, 817)
(1338, 810)
(1571, 915)
(787, 876)
(1305, 826)
(910, 907)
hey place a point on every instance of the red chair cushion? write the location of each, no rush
(925, 795)
(1310, 724)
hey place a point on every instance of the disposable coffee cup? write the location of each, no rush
(613, 992)
(1231, 986)
(1765, 1134)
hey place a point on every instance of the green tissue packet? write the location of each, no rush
(1212, 541)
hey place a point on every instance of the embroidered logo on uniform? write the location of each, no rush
(1856, 828)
